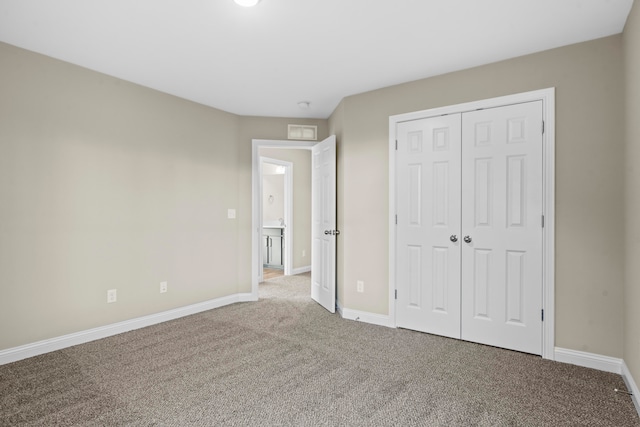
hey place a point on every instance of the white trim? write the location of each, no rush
(393, 122)
(588, 360)
(601, 363)
(631, 386)
(288, 210)
(547, 96)
(256, 213)
(366, 317)
(548, 233)
(40, 347)
(301, 270)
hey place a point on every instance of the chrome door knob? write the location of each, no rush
(327, 232)
(467, 239)
(453, 238)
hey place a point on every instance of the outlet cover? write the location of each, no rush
(360, 286)
(163, 287)
(112, 295)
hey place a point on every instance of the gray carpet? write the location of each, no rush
(285, 361)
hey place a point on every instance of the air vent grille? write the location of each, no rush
(303, 132)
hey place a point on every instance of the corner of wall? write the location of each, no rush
(631, 51)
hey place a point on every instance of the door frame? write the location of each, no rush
(547, 96)
(256, 204)
(287, 256)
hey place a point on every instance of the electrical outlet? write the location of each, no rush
(112, 295)
(304, 253)
(360, 286)
(163, 287)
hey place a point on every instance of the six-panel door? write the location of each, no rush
(502, 215)
(323, 219)
(469, 232)
(428, 258)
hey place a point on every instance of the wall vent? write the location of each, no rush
(303, 132)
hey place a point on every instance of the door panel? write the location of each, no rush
(428, 191)
(501, 214)
(323, 218)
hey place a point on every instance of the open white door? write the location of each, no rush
(323, 219)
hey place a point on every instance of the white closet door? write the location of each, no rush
(502, 215)
(428, 203)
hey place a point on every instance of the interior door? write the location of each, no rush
(502, 227)
(323, 218)
(428, 240)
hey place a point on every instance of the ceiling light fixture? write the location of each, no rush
(304, 105)
(247, 3)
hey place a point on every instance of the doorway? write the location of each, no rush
(322, 227)
(277, 216)
(268, 150)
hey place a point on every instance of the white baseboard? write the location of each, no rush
(29, 350)
(363, 316)
(301, 270)
(588, 360)
(601, 363)
(632, 387)
(246, 297)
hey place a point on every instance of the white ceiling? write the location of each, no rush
(262, 61)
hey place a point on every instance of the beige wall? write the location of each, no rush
(272, 197)
(105, 184)
(301, 160)
(589, 181)
(631, 40)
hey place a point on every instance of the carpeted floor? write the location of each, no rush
(284, 361)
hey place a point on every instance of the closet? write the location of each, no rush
(469, 233)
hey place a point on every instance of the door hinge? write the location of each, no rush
(396, 145)
(543, 127)
(542, 314)
(542, 221)
(396, 294)
(396, 219)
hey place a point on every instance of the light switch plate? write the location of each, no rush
(231, 213)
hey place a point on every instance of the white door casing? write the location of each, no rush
(323, 219)
(502, 219)
(428, 245)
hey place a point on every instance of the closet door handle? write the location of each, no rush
(453, 238)
(467, 239)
